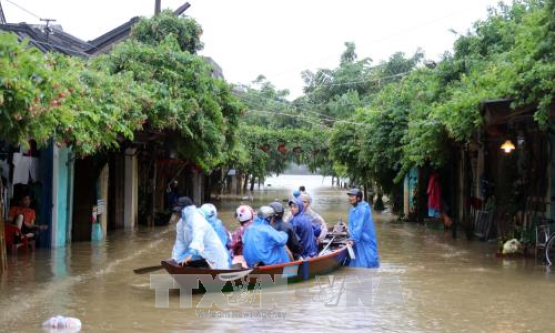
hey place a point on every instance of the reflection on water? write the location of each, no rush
(446, 285)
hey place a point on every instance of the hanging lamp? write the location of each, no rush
(508, 146)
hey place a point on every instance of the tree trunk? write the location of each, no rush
(245, 183)
(252, 183)
(223, 174)
(365, 188)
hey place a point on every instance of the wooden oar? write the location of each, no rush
(351, 252)
(325, 248)
(194, 263)
(144, 270)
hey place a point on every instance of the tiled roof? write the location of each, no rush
(48, 39)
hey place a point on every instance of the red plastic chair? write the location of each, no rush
(10, 232)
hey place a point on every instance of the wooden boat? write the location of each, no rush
(295, 271)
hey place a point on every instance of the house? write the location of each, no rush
(515, 169)
(499, 184)
(49, 171)
(117, 190)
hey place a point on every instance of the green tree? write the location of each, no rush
(186, 97)
(54, 96)
(153, 31)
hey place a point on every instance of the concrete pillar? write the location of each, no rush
(131, 189)
(463, 163)
(197, 188)
(54, 213)
(61, 196)
(102, 205)
(70, 189)
(61, 183)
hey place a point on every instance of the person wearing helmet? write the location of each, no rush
(293, 241)
(244, 215)
(196, 239)
(263, 245)
(315, 218)
(361, 229)
(304, 228)
(211, 215)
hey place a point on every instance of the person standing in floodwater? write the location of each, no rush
(361, 229)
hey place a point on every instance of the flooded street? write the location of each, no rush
(447, 285)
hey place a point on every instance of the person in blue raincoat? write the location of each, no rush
(293, 242)
(196, 239)
(304, 228)
(262, 243)
(211, 215)
(361, 229)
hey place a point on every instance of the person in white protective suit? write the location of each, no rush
(196, 239)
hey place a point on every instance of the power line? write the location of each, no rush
(302, 117)
(259, 104)
(23, 9)
(271, 111)
(364, 81)
(380, 40)
(323, 116)
(285, 114)
(2, 16)
(383, 78)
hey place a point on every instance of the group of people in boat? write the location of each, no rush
(268, 236)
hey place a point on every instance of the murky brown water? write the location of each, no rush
(447, 285)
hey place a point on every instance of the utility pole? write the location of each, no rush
(157, 6)
(47, 29)
(2, 16)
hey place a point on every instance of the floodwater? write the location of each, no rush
(427, 282)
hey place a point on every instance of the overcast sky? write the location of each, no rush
(281, 38)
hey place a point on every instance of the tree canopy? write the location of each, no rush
(369, 121)
(153, 81)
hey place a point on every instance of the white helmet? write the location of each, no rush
(265, 212)
(244, 213)
(208, 210)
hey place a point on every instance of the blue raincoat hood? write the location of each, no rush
(299, 203)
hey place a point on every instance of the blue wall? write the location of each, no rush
(60, 226)
(63, 197)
